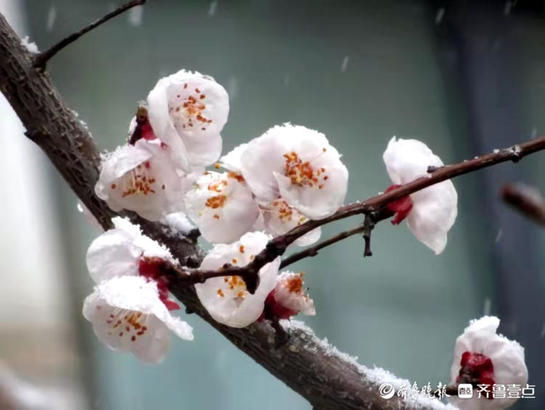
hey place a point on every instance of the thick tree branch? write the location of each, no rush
(307, 365)
(42, 58)
(527, 200)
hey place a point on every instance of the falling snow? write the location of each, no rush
(135, 16)
(439, 15)
(344, 64)
(499, 235)
(287, 79)
(232, 87)
(51, 17)
(507, 8)
(487, 307)
(29, 45)
(212, 8)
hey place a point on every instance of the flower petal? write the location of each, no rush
(222, 206)
(434, 208)
(226, 298)
(127, 315)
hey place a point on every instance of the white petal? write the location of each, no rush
(188, 111)
(117, 252)
(146, 246)
(226, 299)
(151, 187)
(279, 217)
(232, 161)
(127, 315)
(434, 208)
(112, 254)
(293, 297)
(298, 164)
(507, 357)
(222, 206)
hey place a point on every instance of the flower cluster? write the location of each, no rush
(129, 307)
(264, 188)
(170, 142)
(277, 181)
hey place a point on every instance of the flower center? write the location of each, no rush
(127, 323)
(138, 181)
(237, 286)
(301, 173)
(189, 112)
(294, 284)
(150, 268)
(476, 368)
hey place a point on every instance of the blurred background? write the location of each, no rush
(465, 77)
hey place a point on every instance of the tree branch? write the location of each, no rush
(527, 200)
(375, 208)
(314, 369)
(41, 59)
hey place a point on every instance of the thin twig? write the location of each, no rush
(527, 200)
(277, 246)
(41, 59)
(313, 250)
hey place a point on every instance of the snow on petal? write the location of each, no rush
(143, 179)
(279, 217)
(117, 252)
(487, 358)
(127, 315)
(434, 208)
(222, 206)
(187, 111)
(226, 298)
(288, 297)
(299, 165)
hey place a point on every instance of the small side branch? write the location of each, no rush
(313, 250)
(41, 59)
(527, 200)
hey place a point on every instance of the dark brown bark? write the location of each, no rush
(327, 381)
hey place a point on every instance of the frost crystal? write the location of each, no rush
(29, 45)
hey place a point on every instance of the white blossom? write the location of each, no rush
(118, 252)
(488, 358)
(128, 315)
(299, 165)
(289, 298)
(187, 111)
(222, 206)
(278, 217)
(226, 298)
(143, 179)
(434, 208)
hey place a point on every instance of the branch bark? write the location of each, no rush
(526, 200)
(307, 365)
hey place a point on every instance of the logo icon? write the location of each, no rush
(386, 391)
(465, 391)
